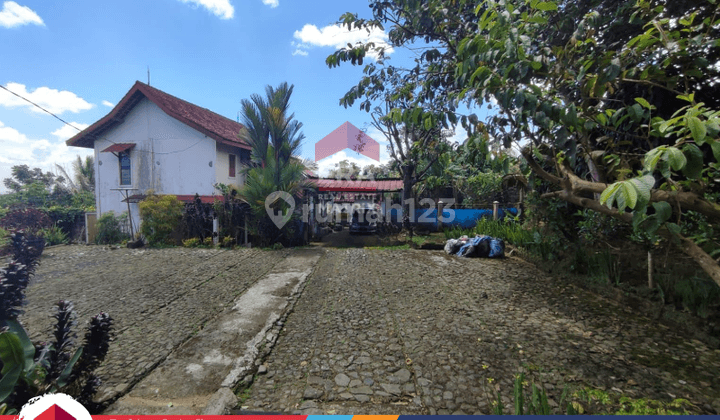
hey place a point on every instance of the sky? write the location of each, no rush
(78, 58)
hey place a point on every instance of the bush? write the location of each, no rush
(192, 242)
(29, 220)
(54, 235)
(109, 229)
(161, 216)
(66, 218)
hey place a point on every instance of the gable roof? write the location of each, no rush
(221, 129)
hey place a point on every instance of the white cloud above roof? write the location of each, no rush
(55, 101)
(220, 8)
(66, 131)
(19, 149)
(272, 3)
(13, 15)
(108, 104)
(337, 37)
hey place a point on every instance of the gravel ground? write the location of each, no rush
(378, 331)
(418, 332)
(157, 297)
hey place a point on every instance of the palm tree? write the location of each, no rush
(84, 171)
(275, 139)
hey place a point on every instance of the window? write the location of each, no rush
(125, 178)
(232, 166)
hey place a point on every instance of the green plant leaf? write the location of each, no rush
(698, 129)
(62, 379)
(673, 228)
(644, 186)
(716, 150)
(11, 354)
(607, 196)
(629, 193)
(27, 345)
(663, 211)
(676, 158)
(653, 157)
(546, 6)
(694, 166)
(643, 102)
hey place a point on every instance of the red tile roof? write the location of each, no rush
(382, 185)
(223, 130)
(119, 147)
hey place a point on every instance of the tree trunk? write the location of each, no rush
(408, 171)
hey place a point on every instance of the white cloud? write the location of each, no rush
(66, 131)
(272, 3)
(18, 149)
(338, 37)
(53, 100)
(108, 104)
(300, 52)
(220, 8)
(10, 134)
(13, 15)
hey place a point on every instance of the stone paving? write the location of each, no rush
(378, 331)
(158, 298)
(419, 332)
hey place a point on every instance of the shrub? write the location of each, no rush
(66, 218)
(109, 229)
(31, 369)
(161, 217)
(192, 242)
(29, 220)
(54, 235)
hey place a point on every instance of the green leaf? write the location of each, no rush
(643, 102)
(644, 187)
(27, 345)
(62, 379)
(607, 196)
(653, 157)
(11, 354)
(673, 228)
(694, 166)
(716, 150)
(546, 6)
(663, 211)
(676, 158)
(629, 193)
(698, 130)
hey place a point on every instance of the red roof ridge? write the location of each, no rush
(218, 127)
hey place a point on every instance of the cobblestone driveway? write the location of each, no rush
(413, 332)
(157, 297)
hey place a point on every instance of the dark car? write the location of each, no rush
(363, 221)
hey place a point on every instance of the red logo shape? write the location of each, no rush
(55, 412)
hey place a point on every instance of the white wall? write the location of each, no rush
(169, 158)
(222, 169)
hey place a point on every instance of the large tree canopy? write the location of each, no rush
(616, 103)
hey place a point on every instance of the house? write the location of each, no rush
(152, 140)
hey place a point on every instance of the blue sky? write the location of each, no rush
(78, 58)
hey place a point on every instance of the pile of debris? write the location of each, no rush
(481, 246)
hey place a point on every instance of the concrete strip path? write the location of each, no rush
(198, 377)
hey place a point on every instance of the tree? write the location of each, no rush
(345, 170)
(84, 174)
(617, 99)
(275, 138)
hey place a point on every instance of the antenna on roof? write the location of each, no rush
(148, 75)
